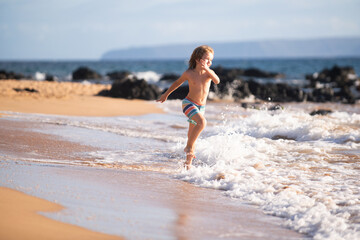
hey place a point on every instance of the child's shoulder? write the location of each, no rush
(188, 71)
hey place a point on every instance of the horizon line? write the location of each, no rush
(174, 59)
(240, 41)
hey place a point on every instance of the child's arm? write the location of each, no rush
(213, 76)
(172, 88)
(211, 73)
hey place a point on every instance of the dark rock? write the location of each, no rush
(255, 88)
(31, 90)
(132, 88)
(345, 95)
(50, 78)
(83, 73)
(227, 74)
(278, 137)
(333, 85)
(322, 95)
(254, 72)
(169, 77)
(321, 112)
(241, 91)
(10, 75)
(232, 85)
(3, 74)
(334, 77)
(179, 93)
(237, 89)
(276, 92)
(247, 105)
(118, 75)
(104, 93)
(276, 107)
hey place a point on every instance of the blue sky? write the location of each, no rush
(85, 29)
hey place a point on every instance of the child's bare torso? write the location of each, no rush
(199, 85)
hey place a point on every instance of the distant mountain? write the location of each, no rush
(325, 47)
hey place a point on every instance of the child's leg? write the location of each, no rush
(191, 129)
(194, 132)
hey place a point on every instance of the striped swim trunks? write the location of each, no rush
(190, 109)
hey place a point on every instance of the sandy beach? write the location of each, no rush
(47, 173)
(66, 98)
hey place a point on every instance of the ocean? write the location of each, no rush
(294, 69)
(302, 168)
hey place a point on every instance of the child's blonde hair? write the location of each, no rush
(198, 53)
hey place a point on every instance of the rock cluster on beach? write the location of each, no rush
(18, 76)
(124, 85)
(83, 73)
(338, 84)
(234, 86)
(10, 75)
(128, 86)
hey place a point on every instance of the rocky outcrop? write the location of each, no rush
(132, 88)
(179, 93)
(31, 90)
(118, 75)
(279, 92)
(234, 86)
(85, 73)
(334, 77)
(233, 73)
(169, 77)
(321, 112)
(254, 72)
(10, 75)
(338, 84)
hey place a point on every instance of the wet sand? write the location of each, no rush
(132, 204)
(20, 219)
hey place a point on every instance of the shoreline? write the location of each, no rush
(21, 219)
(133, 204)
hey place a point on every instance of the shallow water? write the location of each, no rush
(140, 205)
(292, 165)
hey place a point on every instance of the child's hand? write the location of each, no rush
(204, 64)
(162, 98)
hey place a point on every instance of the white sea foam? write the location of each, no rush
(311, 179)
(39, 76)
(149, 76)
(290, 164)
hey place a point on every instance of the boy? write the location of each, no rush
(199, 76)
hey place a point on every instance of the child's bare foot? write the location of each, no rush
(189, 157)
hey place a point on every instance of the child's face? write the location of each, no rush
(207, 59)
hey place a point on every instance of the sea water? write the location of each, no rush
(288, 163)
(294, 69)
